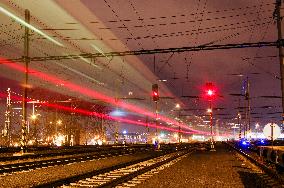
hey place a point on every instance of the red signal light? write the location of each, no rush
(155, 92)
(210, 91)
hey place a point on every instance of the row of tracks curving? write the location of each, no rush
(125, 174)
(269, 176)
(30, 162)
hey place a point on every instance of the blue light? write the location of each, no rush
(117, 113)
(262, 141)
(244, 142)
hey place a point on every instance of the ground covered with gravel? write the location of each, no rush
(206, 169)
(44, 175)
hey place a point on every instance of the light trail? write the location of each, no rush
(93, 94)
(104, 116)
(99, 50)
(19, 20)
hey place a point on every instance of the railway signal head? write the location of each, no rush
(210, 91)
(155, 92)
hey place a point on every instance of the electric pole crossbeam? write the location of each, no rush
(159, 51)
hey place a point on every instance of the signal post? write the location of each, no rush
(210, 94)
(155, 97)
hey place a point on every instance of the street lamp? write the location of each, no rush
(124, 136)
(175, 136)
(155, 98)
(34, 118)
(211, 121)
(59, 122)
(256, 127)
(177, 106)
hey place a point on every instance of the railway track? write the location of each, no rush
(268, 176)
(22, 166)
(125, 174)
(70, 151)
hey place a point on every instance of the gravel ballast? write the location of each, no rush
(205, 169)
(44, 175)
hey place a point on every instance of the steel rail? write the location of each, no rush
(67, 151)
(132, 175)
(270, 172)
(75, 178)
(20, 166)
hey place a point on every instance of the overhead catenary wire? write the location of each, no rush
(116, 15)
(159, 51)
(144, 24)
(251, 61)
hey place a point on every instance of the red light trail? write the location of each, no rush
(104, 116)
(93, 94)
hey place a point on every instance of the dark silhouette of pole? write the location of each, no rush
(147, 129)
(277, 14)
(212, 147)
(239, 122)
(25, 92)
(179, 129)
(211, 120)
(156, 121)
(248, 100)
(7, 127)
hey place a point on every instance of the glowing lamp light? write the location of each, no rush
(58, 140)
(177, 106)
(155, 92)
(256, 126)
(117, 113)
(100, 142)
(92, 142)
(124, 132)
(175, 136)
(244, 143)
(210, 92)
(33, 117)
(30, 142)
